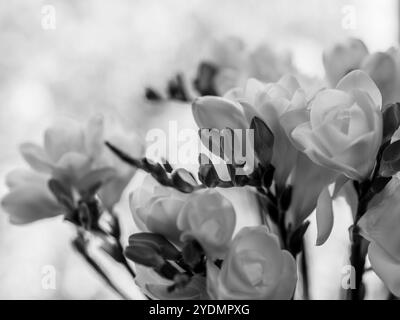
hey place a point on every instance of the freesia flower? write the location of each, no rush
(344, 129)
(343, 58)
(380, 226)
(209, 218)
(308, 181)
(29, 198)
(352, 54)
(270, 102)
(236, 63)
(255, 268)
(71, 152)
(245, 204)
(382, 69)
(156, 208)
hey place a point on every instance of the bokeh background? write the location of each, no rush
(99, 58)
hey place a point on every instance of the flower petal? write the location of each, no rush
(94, 135)
(36, 157)
(28, 204)
(217, 112)
(358, 79)
(385, 267)
(64, 137)
(324, 216)
(21, 177)
(290, 83)
(285, 290)
(71, 167)
(323, 103)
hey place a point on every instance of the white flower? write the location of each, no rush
(343, 58)
(255, 268)
(381, 226)
(382, 69)
(236, 63)
(71, 152)
(344, 130)
(29, 198)
(270, 102)
(156, 208)
(246, 206)
(209, 218)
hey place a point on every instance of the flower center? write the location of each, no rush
(254, 272)
(342, 119)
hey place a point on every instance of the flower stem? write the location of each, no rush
(81, 249)
(304, 272)
(358, 253)
(124, 262)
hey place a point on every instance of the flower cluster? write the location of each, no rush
(235, 229)
(226, 63)
(352, 54)
(339, 136)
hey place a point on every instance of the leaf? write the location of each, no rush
(391, 120)
(192, 253)
(207, 173)
(157, 242)
(286, 198)
(268, 176)
(167, 270)
(324, 214)
(296, 239)
(62, 193)
(144, 255)
(263, 140)
(379, 184)
(390, 162)
(183, 180)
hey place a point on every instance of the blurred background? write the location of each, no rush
(79, 57)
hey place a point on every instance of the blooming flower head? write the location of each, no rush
(270, 102)
(344, 129)
(29, 199)
(255, 268)
(343, 58)
(382, 69)
(209, 218)
(156, 208)
(380, 226)
(75, 156)
(236, 63)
